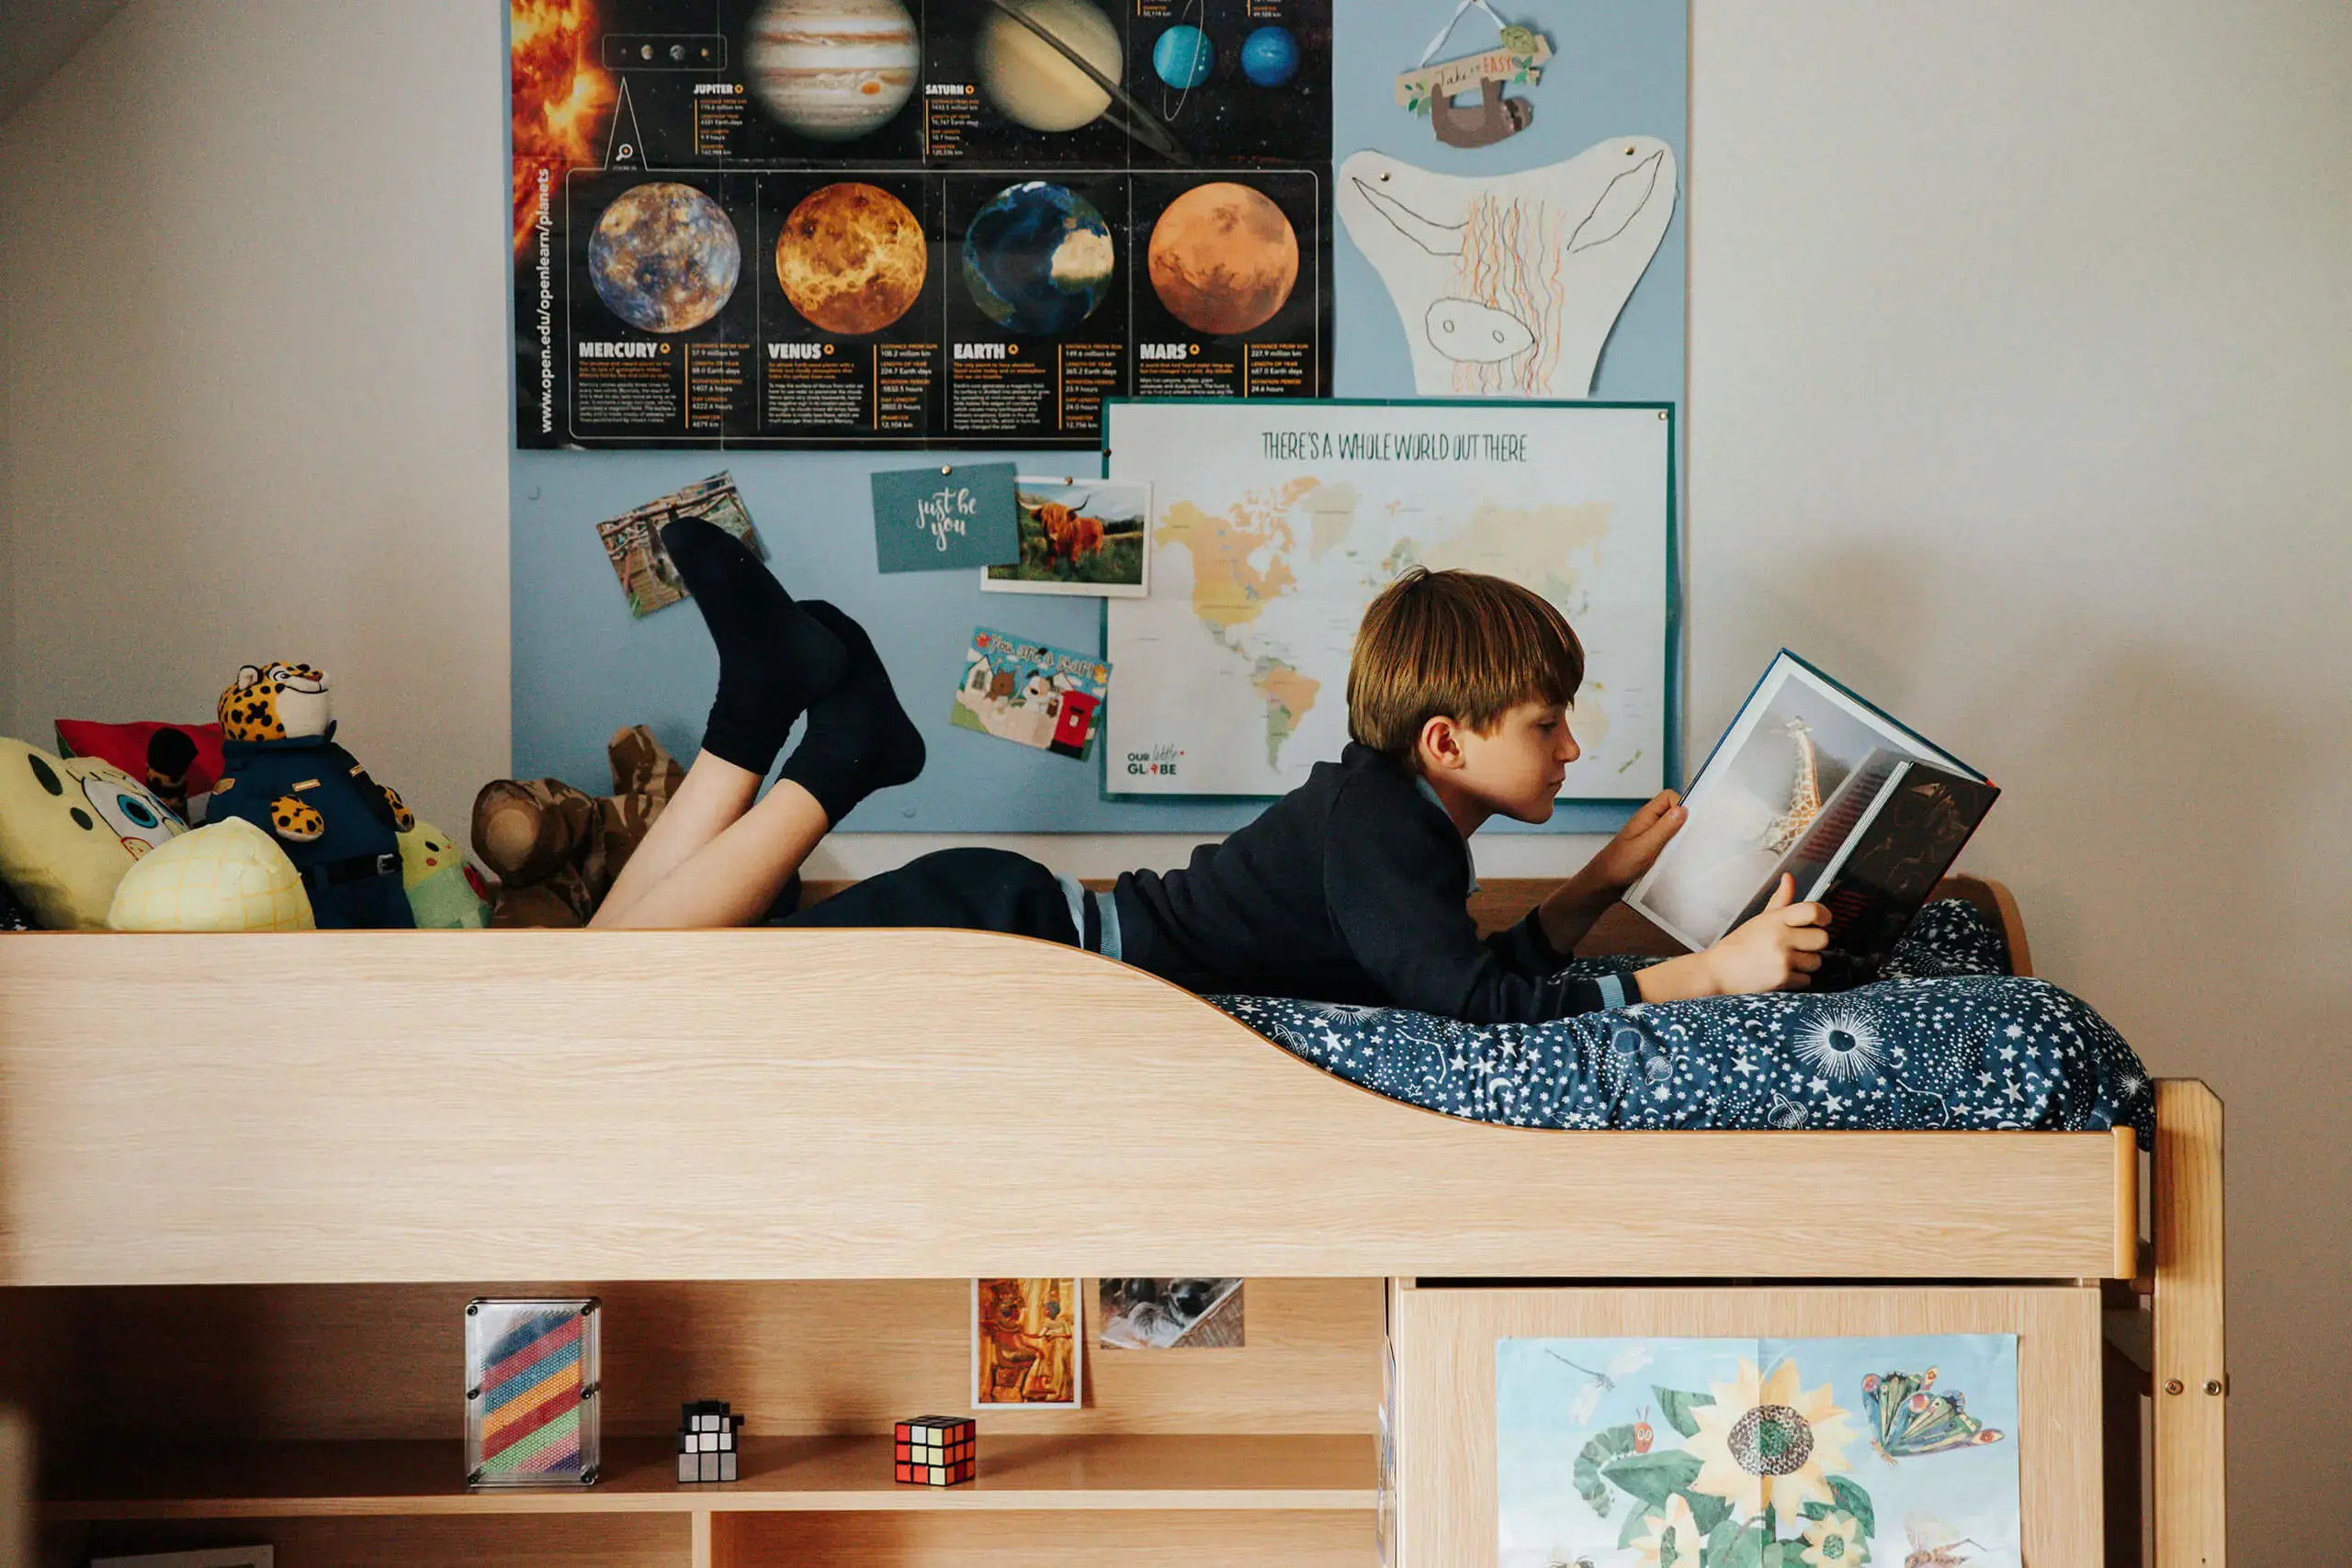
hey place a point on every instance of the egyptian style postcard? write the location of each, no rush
(1171, 1315)
(633, 540)
(1710, 1453)
(1031, 695)
(1081, 537)
(1028, 1343)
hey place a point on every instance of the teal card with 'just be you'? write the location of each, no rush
(943, 517)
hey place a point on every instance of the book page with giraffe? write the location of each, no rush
(1806, 778)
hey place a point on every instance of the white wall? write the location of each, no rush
(2021, 385)
(254, 403)
(2021, 356)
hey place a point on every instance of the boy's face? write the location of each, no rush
(1516, 768)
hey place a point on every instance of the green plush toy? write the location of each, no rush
(442, 888)
(69, 831)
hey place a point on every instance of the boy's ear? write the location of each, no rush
(1440, 744)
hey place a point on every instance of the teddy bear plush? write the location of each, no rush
(556, 850)
(282, 772)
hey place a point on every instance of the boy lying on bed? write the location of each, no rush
(1352, 888)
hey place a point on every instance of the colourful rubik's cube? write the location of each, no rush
(708, 1438)
(935, 1451)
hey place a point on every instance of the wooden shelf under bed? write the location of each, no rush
(1081, 1471)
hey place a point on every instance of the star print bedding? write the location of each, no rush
(1946, 1039)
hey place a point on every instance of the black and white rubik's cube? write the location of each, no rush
(708, 1438)
(935, 1451)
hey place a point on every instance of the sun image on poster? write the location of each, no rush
(1276, 525)
(1898, 1450)
(881, 223)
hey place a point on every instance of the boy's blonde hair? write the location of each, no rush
(1458, 643)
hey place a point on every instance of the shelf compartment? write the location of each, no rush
(1092, 1471)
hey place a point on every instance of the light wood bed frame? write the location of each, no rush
(425, 1111)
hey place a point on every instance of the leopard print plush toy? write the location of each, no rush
(285, 775)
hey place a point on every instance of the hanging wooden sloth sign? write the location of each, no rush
(1516, 59)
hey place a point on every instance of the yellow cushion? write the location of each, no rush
(69, 829)
(226, 876)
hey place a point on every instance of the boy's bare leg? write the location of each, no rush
(732, 877)
(714, 795)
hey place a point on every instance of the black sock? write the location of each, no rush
(859, 738)
(774, 660)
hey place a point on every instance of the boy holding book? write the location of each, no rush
(1352, 888)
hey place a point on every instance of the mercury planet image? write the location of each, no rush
(852, 258)
(1223, 258)
(832, 70)
(664, 257)
(1038, 259)
(1030, 82)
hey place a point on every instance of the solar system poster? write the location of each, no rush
(895, 223)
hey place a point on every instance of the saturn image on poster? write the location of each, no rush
(832, 70)
(1223, 258)
(852, 258)
(1033, 84)
(664, 257)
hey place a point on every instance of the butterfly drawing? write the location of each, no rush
(1626, 1362)
(1933, 1545)
(1907, 1419)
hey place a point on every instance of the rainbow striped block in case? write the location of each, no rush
(531, 1372)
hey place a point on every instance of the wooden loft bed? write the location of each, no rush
(247, 1182)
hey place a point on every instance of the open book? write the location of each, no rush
(1814, 782)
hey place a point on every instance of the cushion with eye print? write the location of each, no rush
(70, 829)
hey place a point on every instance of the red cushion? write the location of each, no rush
(125, 745)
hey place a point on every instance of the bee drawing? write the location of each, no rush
(1934, 1546)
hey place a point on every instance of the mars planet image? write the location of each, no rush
(664, 257)
(832, 70)
(1223, 258)
(852, 258)
(1038, 258)
(1032, 83)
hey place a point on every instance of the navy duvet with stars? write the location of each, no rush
(1946, 1039)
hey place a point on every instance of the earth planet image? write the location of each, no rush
(1223, 258)
(664, 257)
(1269, 57)
(1038, 259)
(852, 258)
(1184, 57)
(832, 70)
(1031, 83)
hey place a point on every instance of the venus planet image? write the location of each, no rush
(664, 257)
(1032, 83)
(832, 70)
(1038, 258)
(1223, 258)
(852, 258)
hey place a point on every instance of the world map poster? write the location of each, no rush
(1276, 525)
(878, 223)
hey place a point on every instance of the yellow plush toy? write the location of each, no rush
(225, 876)
(442, 888)
(70, 829)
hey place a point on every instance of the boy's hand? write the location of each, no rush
(1577, 903)
(1779, 950)
(1634, 849)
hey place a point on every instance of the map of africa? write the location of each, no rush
(1274, 525)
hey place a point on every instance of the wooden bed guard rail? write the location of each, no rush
(816, 1104)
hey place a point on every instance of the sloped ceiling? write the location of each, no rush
(39, 36)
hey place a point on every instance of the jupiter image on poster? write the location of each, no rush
(832, 70)
(852, 258)
(1223, 259)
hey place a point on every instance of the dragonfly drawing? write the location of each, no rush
(1626, 1362)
